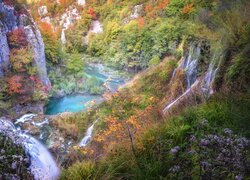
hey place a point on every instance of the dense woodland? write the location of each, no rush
(202, 136)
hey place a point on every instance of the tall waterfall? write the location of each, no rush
(43, 166)
(189, 64)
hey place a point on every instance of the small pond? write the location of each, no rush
(109, 79)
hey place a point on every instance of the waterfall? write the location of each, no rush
(189, 65)
(81, 2)
(189, 90)
(96, 28)
(63, 37)
(24, 118)
(87, 136)
(209, 79)
(43, 166)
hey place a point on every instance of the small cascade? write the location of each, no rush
(81, 2)
(189, 65)
(209, 79)
(43, 166)
(96, 28)
(86, 139)
(188, 91)
(24, 118)
(63, 37)
(137, 11)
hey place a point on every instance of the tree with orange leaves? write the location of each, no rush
(141, 22)
(15, 85)
(51, 42)
(92, 13)
(187, 9)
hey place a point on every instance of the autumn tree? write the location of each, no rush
(51, 42)
(21, 59)
(15, 85)
(92, 13)
(17, 38)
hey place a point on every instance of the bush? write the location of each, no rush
(79, 171)
(17, 38)
(21, 59)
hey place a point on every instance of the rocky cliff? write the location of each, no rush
(12, 18)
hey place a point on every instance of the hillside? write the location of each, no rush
(126, 89)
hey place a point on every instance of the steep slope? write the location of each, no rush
(161, 124)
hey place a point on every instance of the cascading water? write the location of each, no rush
(180, 97)
(43, 166)
(88, 135)
(209, 79)
(189, 65)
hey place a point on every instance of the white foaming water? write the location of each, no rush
(189, 65)
(86, 139)
(40, 124)
(96, 27)
(24, 118)
(189, 90)
(81, 2)
(63, 37)
(209, 79)
(43, 166)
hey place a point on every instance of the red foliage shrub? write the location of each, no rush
(8, 2)
(17, 38)
(163, 4)
(141, 22)
(15, 85)
(92, 13)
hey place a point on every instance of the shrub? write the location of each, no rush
(79, 171)
(17, 38)
(21, 59)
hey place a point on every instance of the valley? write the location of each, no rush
(124, 89)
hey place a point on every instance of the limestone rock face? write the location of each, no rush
(11, 20)
(4, 51)
(8, 22)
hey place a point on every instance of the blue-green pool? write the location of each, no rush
(108, 77)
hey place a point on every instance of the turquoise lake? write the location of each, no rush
(109, 78)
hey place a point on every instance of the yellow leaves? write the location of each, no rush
(134, 122)
(188, 8)
(99, 138)
(83, 151)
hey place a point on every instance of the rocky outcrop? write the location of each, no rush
(10, 20)
(4, 51)
(36, 42)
